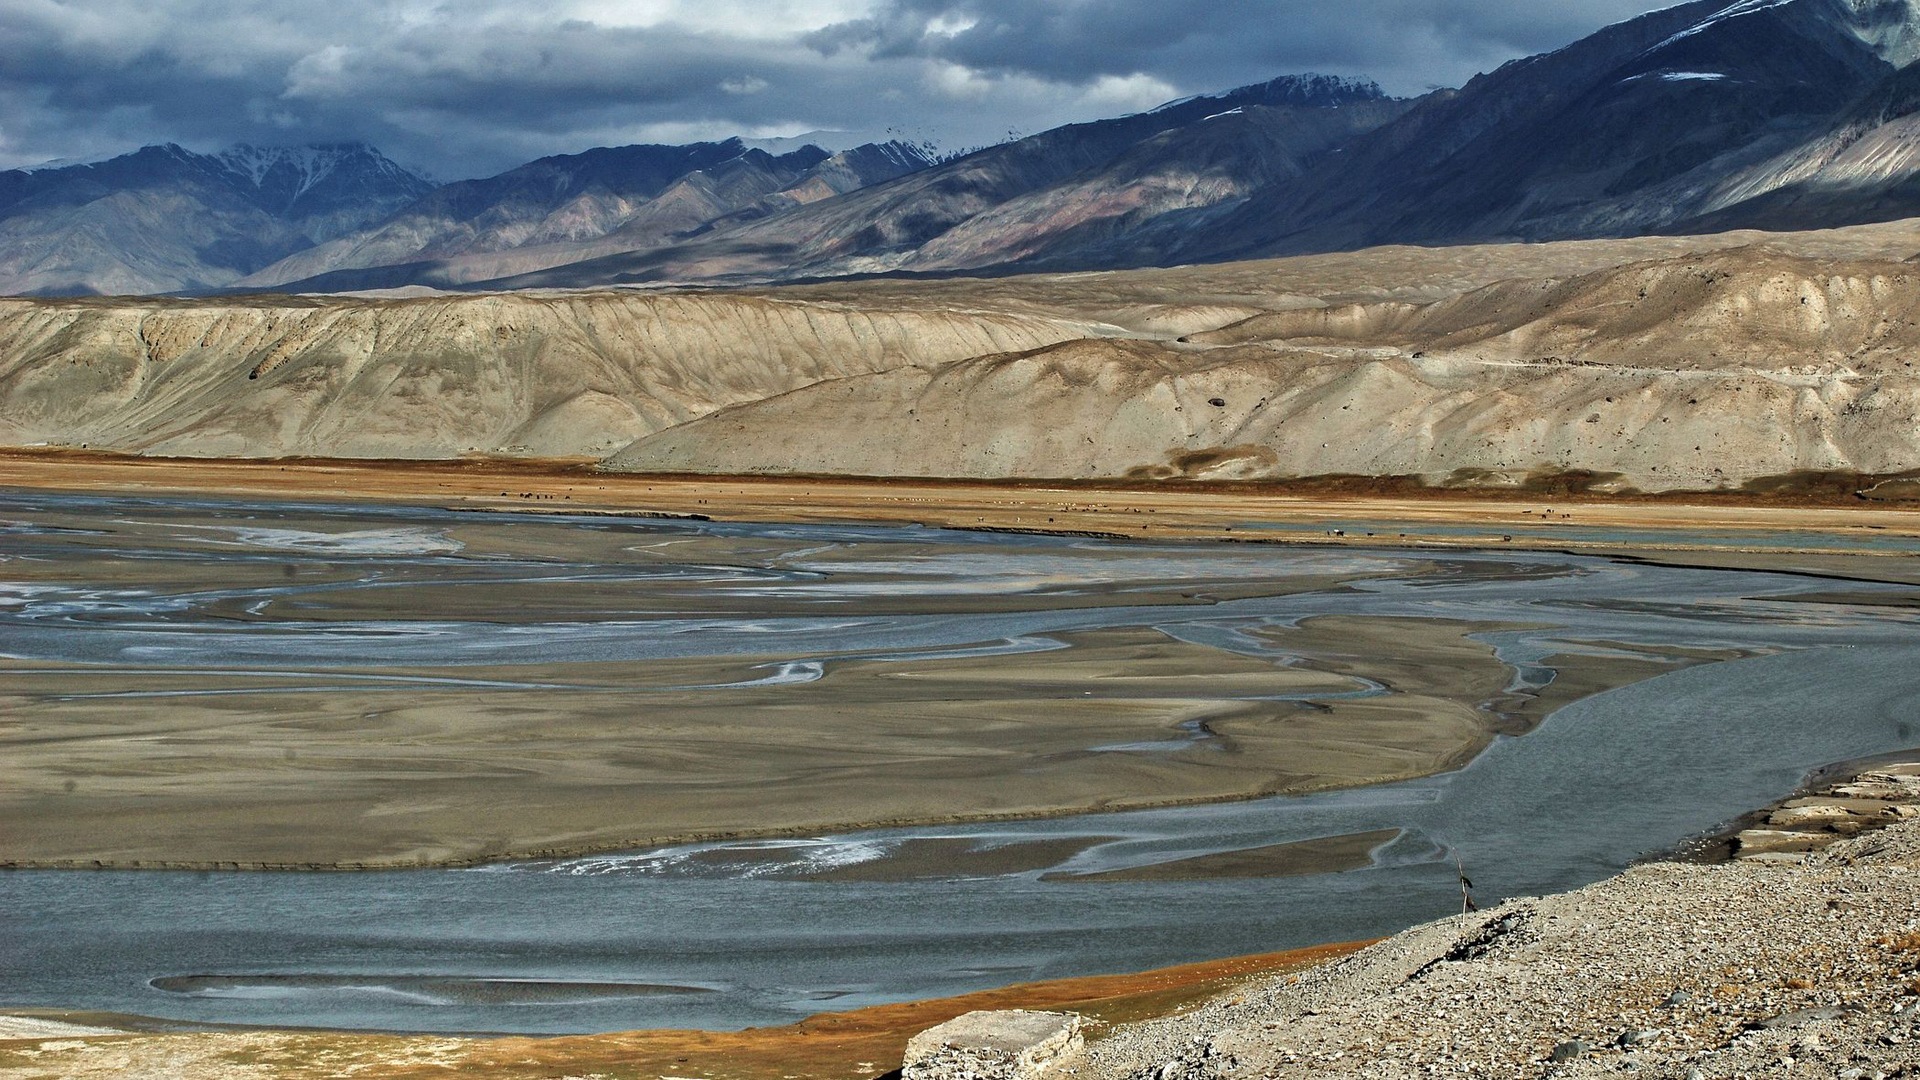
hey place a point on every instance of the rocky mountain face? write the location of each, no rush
(567, 208)
(1703, 117)
(324, 191)
(166, 219)
(1709, 116)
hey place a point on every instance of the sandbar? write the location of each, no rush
(1321, 855)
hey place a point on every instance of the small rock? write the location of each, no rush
(1678, 998)
(1796, 1019)
(1639, 1036)
(1567, 1051)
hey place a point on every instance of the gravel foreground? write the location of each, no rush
(1742, 969)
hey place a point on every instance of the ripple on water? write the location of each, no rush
(435, 991)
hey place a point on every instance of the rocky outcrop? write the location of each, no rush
(1814, 821)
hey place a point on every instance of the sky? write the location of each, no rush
(473, 87)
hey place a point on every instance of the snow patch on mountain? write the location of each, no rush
(1732, 11)
(1678, 76)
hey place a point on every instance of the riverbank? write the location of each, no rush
(832, 1046)
(1819, 517)
(1799, 964)
(1802, 965)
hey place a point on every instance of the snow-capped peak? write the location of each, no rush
(306, 166)
(1890, 27)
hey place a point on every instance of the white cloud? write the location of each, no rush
(732, 18)
(1137, 91)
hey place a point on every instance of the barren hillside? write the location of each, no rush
(1658, 363)
(551, 376)
(1688, 372)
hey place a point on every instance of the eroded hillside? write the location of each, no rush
(1687, 372)
(553, 376)
(1658, 364)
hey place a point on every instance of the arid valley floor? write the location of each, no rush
(1290, 528)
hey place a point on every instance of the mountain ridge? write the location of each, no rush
(1707, 116)
(165, 218)
(647, 195)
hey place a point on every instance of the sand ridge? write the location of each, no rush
(1694, 363)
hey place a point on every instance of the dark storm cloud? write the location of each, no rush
(478, 86)
(1407, 44)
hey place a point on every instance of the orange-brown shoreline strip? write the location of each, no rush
(1804, 518)
(864, 1042)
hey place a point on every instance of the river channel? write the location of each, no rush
(172, 603)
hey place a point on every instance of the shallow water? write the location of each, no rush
(729, 939)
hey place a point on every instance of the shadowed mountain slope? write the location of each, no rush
(1087, 188)
(1704, 116)
(1785, 114)
(167, 219)
(563, 209)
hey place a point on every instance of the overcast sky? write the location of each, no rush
(476, 86)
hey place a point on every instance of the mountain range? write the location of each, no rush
(1708, 116)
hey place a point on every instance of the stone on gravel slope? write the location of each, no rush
(1668, 970)
(1010, 1044)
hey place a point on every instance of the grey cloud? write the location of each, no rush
(1406, 44)
(480, 86)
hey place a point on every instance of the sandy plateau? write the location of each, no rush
(1696, 363)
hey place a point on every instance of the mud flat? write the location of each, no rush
(224, 685)
(214, 690)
